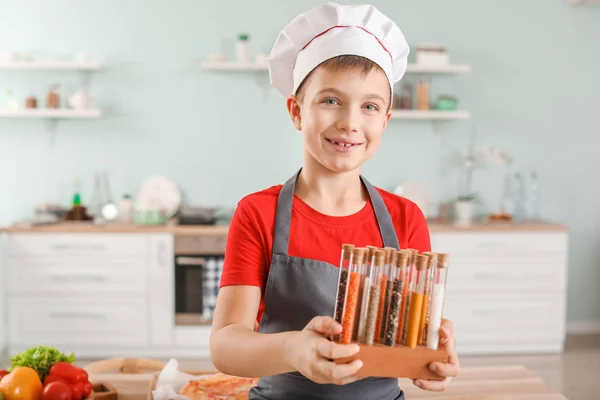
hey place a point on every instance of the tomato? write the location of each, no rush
(76, 391)
(69, 372)
(23, 383)
(87, 389)
(56, 391)
(3, 373)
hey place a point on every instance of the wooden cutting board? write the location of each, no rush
(480, 383)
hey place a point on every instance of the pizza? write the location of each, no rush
(219, 387)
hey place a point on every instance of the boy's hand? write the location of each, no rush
(449, 370)
(310, 353)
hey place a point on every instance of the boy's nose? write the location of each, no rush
(349, 121)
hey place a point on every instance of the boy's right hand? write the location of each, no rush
(310, 353)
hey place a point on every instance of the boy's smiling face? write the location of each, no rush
(342, 114)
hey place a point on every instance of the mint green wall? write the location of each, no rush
(533, 92)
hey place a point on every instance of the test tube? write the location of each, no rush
(384, 293)
(416, 301)
(408, 288)
(366, 279)
(393, 314)
(425, 310)
(348, 319)
(437, 300)
(375, 275)
(391, 276)
(361, 269)
(344, 272)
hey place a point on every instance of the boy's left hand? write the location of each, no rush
(448, 370)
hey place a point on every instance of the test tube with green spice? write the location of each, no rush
(342, 287)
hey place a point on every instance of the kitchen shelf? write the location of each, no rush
(412, 68)
(50, 65)
(50, 113)
(432, 115)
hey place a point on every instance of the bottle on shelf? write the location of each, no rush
(423, 99)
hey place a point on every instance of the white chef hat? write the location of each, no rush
(331, 30)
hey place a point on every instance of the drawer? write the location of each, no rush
(496, 319)
(506, 275)
(495, 244)
(72, 321)
(93, 278)
(200, 244)
(67, 245)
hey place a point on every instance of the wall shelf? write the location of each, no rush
(50, 113)
(412, 68)
(430, 115)
(49, 65)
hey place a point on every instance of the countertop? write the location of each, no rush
(435, 226)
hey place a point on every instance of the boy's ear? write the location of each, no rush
(293, 106)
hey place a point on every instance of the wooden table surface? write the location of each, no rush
(480, 383)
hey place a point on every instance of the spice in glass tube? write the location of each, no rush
(351, 298)
(437, 301)
(410, 274)
(383, 293)
(366, 279)
(431, 262)
(389, 283)
(374, 294)
(393, 314)
(416, 302)
(361, 285)
(345, 263)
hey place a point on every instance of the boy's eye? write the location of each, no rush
(330, 101)
(371, 107)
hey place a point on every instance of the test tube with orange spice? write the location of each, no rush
(375, 275)
(416, 302)
(361, 269)
(426, 296)
(366, 285)
(395, 301)
(349, 317)
(387, 281)
(343, 274)
(437, 301)
(408, 281)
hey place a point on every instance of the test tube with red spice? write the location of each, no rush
(366, 284)
(408, 278)
(425, 309)
(349, 317)
(437, 301)
(375, 276)
(386, 290)
(416, 301)
(344, 273)
(395, 301)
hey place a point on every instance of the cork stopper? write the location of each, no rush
(432, 258)
(347, 251)
(379, 258)
(413, 253)
(421, 262)
(402, 257)
(369, 253)
(442, 260)
(359, 254)
(388, 254)
(393, 256)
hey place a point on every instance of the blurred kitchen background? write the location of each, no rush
(146, 122)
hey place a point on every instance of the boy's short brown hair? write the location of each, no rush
(351, 63)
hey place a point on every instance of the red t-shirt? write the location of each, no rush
(313, 235)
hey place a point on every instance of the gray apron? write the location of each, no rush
(299, 289)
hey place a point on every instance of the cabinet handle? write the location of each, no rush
(67, 246)
(65, 277)
(77, 315)
(201, 261)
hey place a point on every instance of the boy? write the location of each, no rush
(337, 66)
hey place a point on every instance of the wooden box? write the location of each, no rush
(397, 362)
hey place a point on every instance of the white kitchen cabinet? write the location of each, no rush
(506, 292)
(3, 286)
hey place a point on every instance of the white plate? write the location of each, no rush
(159, 192)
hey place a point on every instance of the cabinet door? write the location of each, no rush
(162, 289)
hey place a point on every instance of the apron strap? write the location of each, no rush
(283, 216)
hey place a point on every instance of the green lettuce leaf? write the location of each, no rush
(40, 358)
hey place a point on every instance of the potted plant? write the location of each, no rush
(464, 207)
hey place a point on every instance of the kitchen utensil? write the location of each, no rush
(110, 210)
(158, 192)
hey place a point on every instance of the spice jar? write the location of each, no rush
(31, 102)
(53, 97)
(406, 99)
(423, 95)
